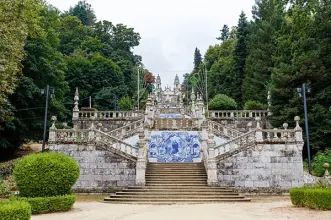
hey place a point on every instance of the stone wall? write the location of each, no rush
(99, 169)
(242, 124)
(264, 168)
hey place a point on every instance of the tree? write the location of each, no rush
(125, 104)
(17, 20)
(225, 33)
(239, 57)
(84, 12)
(268, 18)
(197, 60)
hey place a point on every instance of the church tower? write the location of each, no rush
(158, 82)
(176, 84)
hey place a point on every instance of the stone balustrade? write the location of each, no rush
(240, 142)
(244, 114)
(222, 130)
(69, 136)
(104, 115)
(128, 130)
(171, 110)
(175, 124)
(278, 135)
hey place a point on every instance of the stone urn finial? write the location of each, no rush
(326, 166)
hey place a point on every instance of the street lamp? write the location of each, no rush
(51, 92)
(302, 93)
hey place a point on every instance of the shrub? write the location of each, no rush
(315, 198)
(6, 168)
(14, 210)
(45, 174)
(222, 102)
(319, 159)
(254, 105)
(42, 205)
(5, 188)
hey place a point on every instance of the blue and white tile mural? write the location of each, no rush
(174, 146)
(170, 115)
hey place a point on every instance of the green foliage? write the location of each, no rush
(197, 60)
(314, 198)
(318, 160)
(42, 205)
(84, 12)
(5, 188)
(222, 102)
(7, 168)
(14, 210)
(125, 104)
(17, 20)
(254, 105)
(225, 33)
(45, 174)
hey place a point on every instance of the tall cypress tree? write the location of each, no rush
(197, 60)
(239, 56)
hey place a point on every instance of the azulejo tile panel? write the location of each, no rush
(175, 146)
(170, 115)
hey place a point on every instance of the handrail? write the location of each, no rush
(238, 114)
(119, 130)
(227, 131)
(241, 142)
(110, 114)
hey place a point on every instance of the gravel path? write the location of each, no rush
(256, 210)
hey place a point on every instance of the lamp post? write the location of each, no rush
(302, 92)
(48, 91)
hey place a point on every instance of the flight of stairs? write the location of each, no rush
(173, 183)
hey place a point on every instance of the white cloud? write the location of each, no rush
(171, 29)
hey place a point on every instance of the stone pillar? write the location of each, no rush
(298, 130)
(52, 130)
(91, 133)
(141, 161)
(211, 164)
(258, 132)
(75, 111)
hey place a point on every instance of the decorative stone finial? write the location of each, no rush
(326, 166)
(211, 136)
(76, 99)
(297, 119)
(285, 125)
(53, 119)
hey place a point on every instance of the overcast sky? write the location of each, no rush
(170, 30)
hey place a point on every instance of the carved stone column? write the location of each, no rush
(211, 164)
(141, 161)
(52, 130)
(75, 111)
(258, 133)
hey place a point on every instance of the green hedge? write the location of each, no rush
(45, 174)
(14, 210)
(42, 205)
(315, 198)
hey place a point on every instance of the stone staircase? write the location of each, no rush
(173, 183)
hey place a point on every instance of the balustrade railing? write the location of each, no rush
(109, 114)
(69, 136)
(223, 131)
(278, 135)
(174, 124)
(170, 110)
(241, 142)
(116, 143)
(238, 114)
(128, 130)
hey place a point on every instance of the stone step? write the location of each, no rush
(177, 175)
(176, 187)
(172, 200)
(162, 196)
(176, 179)
(175, 172)
(175, 193)
(176, 184)
(148, 182)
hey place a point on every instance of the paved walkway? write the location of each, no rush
(257, 210)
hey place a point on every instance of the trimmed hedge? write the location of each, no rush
(45, 174)
(15, 210)
(314, 198)
(42, 205)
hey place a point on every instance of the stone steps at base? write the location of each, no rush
(172, 200)
(203, 181)
(160, 192)
(196, 188)
(177, 190)
(161, 196)
(176, 184)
